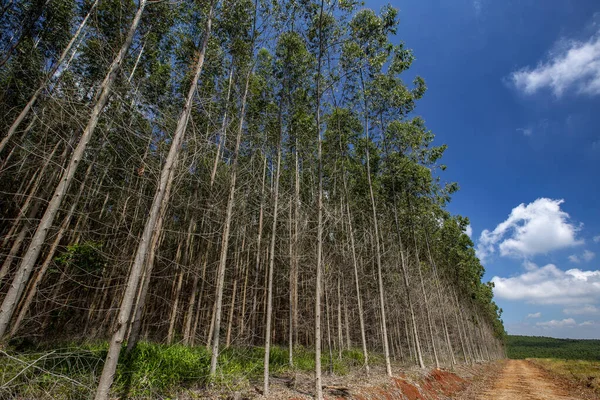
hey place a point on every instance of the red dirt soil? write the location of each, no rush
(437, 385)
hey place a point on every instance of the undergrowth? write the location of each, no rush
(71, 371)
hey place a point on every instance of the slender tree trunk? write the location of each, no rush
(439, 293)
(327, 320)
(189, 315)
(386, 350)
(157, 207)
(426, 301)
(198, 308)
(319, 272)
(138, 312)
(361, 317)
(291, 288)
(225, 236)
(347, 325)
(339, 318)
(272, 266)
(234, 290)
(177, 294)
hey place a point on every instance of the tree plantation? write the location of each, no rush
(228, 174)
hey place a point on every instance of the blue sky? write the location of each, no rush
(514, 90)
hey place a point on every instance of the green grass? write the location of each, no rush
(521, 347)
(150, 371)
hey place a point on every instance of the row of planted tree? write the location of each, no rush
(228, 173)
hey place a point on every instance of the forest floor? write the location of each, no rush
(501, 380)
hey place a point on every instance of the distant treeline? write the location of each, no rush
(519, 347)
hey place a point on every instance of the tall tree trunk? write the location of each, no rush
(272, 266)
(426, 301)
(238, 257)
(176, 296)
(158, 205)
(225, 236)
(319, 272)
(361, 317)
(339, 318)
(259, 240)
(439, 293)
(386, 350)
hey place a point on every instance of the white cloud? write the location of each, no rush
(576, 66)
(588, 255)
(529, 266)
(588, 323)
(535, 315)
(469, 230)
(535, 228)
(525, 131)
(587, 309)
(550, 285)
(557, 324)
(597, 239)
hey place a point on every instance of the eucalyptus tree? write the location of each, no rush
(367, 51)
(159, 204)
(245, 58)
(319, 42)
(343, 129)
(292, 68)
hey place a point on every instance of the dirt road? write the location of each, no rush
(521, 380)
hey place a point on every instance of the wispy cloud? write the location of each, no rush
(586, 256)
(558, 323)
(576, 66)
(587, 309)
(525, 131)
(535, 315)
(477, 5)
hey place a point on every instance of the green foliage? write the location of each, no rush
(521, 347)
(85, 256)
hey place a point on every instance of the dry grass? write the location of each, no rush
(586, 373)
